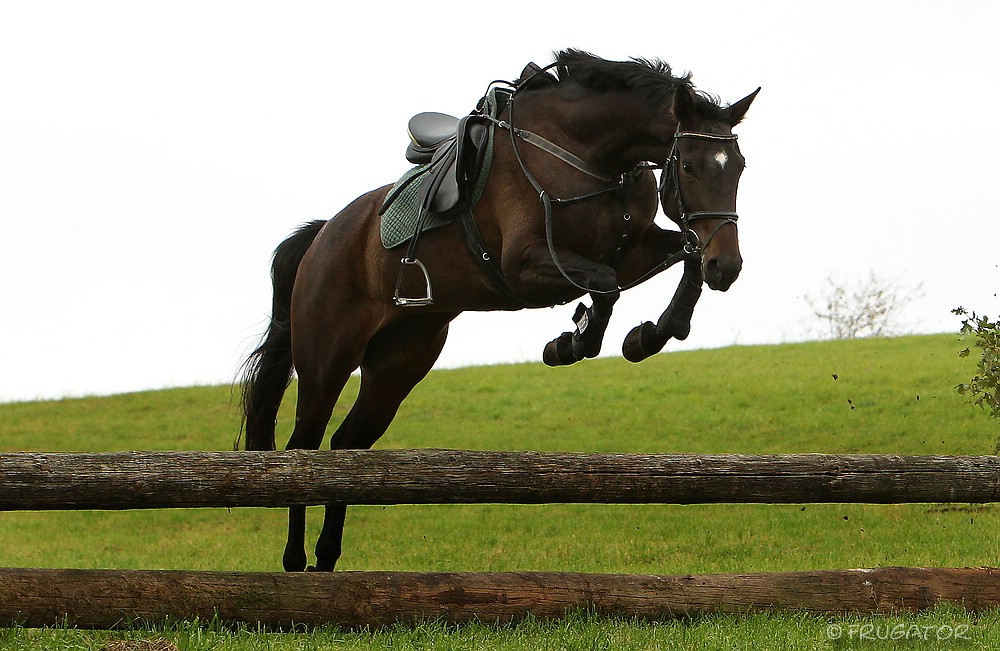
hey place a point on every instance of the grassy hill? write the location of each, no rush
(872, 395)
(877, 395)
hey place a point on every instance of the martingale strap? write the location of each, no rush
(557, 151)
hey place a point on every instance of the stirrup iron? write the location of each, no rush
(427, 299)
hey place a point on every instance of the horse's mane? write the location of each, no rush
(653, 78)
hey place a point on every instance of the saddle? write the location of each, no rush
(452, 158)
(455, 149)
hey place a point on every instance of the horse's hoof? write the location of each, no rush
(559, 351)
(294, 562)
(320, 567)
(640, 343)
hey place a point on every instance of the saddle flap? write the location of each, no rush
(472, 136)
(455, 166)
(439, 192)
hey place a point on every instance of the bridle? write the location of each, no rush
(670, 175)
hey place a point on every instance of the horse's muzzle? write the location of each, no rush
(720, 272)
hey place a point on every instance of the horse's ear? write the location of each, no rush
(529, 70)
(739, 109)
(683, 107)
(534, 76)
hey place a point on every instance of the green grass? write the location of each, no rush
(865, 396)
(943, 627)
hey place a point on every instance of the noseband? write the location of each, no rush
(671, 175)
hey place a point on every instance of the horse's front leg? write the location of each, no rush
(543, 279)
(586, 340)
(647, 339)
(646, 259)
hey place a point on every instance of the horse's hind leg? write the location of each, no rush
(312, 413)
(322, 372)
(396, 359)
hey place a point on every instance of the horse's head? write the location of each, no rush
(698, 189)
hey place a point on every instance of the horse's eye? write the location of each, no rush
(687, 167)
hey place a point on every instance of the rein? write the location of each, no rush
(619, 184)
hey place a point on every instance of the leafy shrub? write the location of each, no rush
(983, 390)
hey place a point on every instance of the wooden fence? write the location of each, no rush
(143, 480)
(139, 480)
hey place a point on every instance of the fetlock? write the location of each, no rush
(589, 334)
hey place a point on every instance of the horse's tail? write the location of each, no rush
(267, 372)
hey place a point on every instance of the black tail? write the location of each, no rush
(268, 370)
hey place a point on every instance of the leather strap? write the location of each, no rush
(560, 153)
(477, 246)
(474, 240)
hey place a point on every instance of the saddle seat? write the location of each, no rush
(428, 132)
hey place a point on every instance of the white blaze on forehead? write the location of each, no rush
(722, 159)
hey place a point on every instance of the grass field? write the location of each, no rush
(870, 396)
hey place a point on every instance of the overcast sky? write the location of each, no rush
(153, 154)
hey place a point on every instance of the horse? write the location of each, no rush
(567, 209)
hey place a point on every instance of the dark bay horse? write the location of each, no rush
(567, 210)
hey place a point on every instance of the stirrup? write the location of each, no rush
(427, 299)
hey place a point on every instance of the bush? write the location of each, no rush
(983, 390)
(867, 308)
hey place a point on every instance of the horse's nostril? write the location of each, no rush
(721, 272)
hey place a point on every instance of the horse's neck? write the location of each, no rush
(609, 134)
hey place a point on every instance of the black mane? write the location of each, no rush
(653, 78)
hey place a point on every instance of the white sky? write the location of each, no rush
(153, 154)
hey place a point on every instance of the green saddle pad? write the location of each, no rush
(402, 207)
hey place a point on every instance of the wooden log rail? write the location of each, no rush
(140, 480)
(109, 598)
